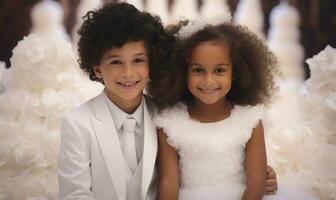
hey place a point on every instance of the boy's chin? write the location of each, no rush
(126, 96)
(133, 97)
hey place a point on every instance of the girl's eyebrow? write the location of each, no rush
(195, 64)
(220, 64)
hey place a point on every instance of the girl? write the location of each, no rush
(211, 144)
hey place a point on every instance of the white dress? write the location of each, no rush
(212, 154)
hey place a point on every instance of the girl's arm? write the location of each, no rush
(168, 170)
(255, 165)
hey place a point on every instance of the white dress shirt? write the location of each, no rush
(119, 117)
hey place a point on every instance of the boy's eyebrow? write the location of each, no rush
(141, 54)
(112, 56)
(219, 64)
(117, 56)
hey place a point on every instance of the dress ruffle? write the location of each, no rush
(211, 154)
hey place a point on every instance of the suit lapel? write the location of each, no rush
(109, 143)
(149, 153)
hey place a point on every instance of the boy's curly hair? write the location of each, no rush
(253, 63)
(116, 24)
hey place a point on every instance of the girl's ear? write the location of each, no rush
(97, 71)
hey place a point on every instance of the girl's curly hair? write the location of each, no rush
(253, 63)
(116, 24)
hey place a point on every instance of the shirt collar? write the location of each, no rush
(119, 115)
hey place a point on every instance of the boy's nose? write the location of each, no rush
(128, 70)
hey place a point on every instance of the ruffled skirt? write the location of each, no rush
(235, 193)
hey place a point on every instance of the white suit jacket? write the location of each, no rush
(90, 164)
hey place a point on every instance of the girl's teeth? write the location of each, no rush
(207, 91)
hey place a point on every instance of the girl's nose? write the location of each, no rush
(208, 79)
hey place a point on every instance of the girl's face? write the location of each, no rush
(210, 72)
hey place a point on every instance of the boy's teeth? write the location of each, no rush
(129, 84)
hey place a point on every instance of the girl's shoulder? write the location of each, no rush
(239, 112)
(249, 112)
(173, 120)
(171, 114)
(178, 114)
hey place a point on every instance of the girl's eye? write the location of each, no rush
(220, 70)
(139, 60)
(198, 70)
(115, 62)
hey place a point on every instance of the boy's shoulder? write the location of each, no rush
(85, 110)
(88, 106)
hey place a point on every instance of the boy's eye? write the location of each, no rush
(115, 62)
(219, 70)
(139, 60)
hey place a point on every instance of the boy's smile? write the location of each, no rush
(125, 73)
(128, 85)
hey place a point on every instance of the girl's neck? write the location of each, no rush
(208, 113)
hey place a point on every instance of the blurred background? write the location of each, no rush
(317, 22)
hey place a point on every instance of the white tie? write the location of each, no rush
(129, 143)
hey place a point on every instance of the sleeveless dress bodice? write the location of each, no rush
(211, 154)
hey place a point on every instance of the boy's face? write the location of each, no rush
(125, 72)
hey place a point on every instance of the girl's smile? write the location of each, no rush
(209, 91)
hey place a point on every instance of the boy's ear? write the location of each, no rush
(97, 71)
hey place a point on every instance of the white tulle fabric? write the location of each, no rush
(301, 134)
(211, 154)
(40, 86)
(200, 23)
